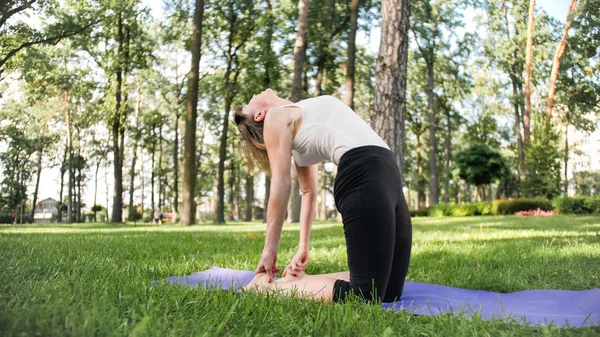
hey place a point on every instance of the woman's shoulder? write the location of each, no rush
(283, 116)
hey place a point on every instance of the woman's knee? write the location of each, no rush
(367, 291)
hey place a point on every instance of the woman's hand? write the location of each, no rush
(298, 263)
(268, 264)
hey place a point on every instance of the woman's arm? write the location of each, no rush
(307, 177)
(278, 140)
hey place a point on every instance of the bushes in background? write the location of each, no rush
(570, 205)
(476, 208)
(504, 207)
(577, 205)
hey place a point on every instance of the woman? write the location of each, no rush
(367, 193)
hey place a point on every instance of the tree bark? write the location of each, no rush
(62, 184)
(517, 127)
(188, 205)
(432, 143)
(300, 50)
(267, 194)
(175, 207)
(138, 102)
(70, 158)
(96, 189)
(528, 59)
(40, 150)
(231, 192)
(161, 194)
(566, 161)
(249, 198)
(350, 65)
(117, 210)
(421, 197)
(390, 76)
(79, 179)
(323, 203)
(299, 57)
(152, 172)
(448, 155)
(560, 50)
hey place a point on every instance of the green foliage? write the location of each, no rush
(97, 208)
(586, 182)
(542, 162)
(577, 205)
(508, 207)
(468, 209)
(479, 164)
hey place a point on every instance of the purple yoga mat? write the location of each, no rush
(566, 308)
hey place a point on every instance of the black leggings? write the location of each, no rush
(368, 194)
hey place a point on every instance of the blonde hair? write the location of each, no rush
(252, 145)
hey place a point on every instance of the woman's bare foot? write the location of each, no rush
(259, 282)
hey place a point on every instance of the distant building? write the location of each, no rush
(584, 152)
(45, 210)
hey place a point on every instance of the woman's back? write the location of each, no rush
(329, 129)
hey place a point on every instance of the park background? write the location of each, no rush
(83, 83)
(77, 75)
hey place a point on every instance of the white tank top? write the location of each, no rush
(329, 129)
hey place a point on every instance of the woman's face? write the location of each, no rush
(260, 103)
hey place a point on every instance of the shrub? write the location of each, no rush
(438, 210)
(503, 207)
(419, 212)
(476, 208)
(577, 205)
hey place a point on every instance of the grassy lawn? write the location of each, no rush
(95, 279)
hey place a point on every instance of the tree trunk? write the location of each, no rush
(142, 177)
(96, 190)
(560, 50)
(433, 180)
(107, 189)
(138, 102)
(267, 194)
(62, 183)
(349, 97)
(390, 76)
(237, 212)
(421, 197)
(116, 132)
(79, 179)
(70, 154)
(40, 150)
(528, 59)
(152, 174)
(299, 57)
(188, 205)
(448, 156)
(300, 50)
(323, 203)
(175, 207)
(231, 192)
(161, 192)
(268, 64)
(249, 198)
(566, 161)
(220, 206)
(517, 127)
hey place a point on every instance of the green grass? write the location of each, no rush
(95, 279)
